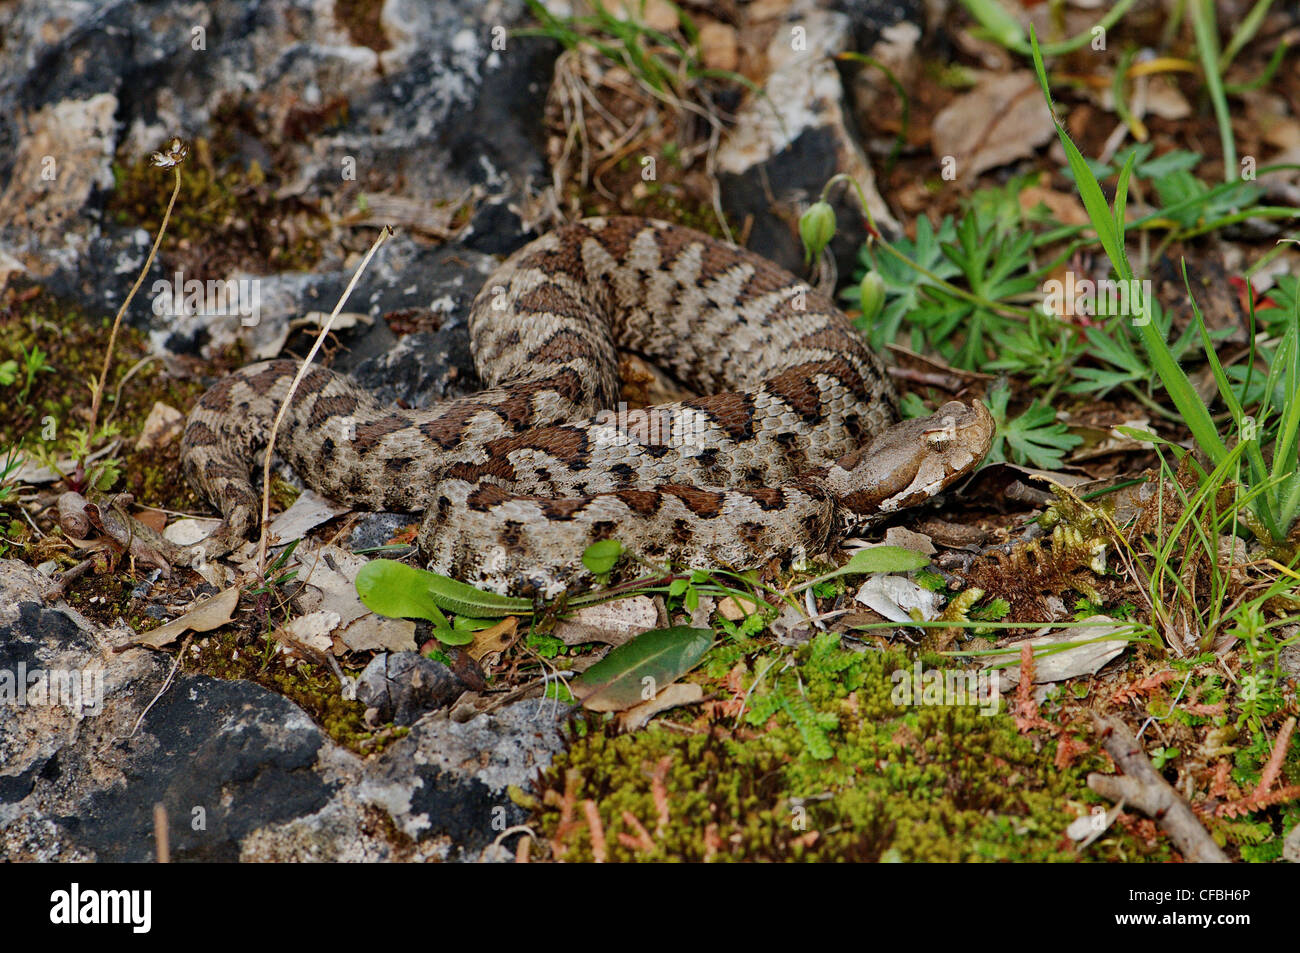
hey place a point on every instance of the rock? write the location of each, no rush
(719, 46)
(440, 793)
(243, 773)
(889, 32)
(873, 19)
(224, 757)
(401, 686)
(771, 168)
(424, 102)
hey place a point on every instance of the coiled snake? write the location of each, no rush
(794, 441)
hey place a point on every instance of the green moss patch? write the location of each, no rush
(823, 765)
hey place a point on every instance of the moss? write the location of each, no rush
(233, 653)
(59, 399)
(104, 595)
(227, 216)
(898, 782)
(671, 197)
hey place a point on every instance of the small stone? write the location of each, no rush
(719, 48)
(161, 427)
(733, 609)
(402, 686)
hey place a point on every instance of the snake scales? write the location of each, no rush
(791, 445)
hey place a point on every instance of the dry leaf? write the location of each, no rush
(895, 597)
(204, 616)
(674, 696)
(906, 539)
(330, 574)
(494, 640)
(610, 622)
(310, 635)
(308, 511)
(1068, 663)
(1001, 120)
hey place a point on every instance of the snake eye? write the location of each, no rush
(943, 434)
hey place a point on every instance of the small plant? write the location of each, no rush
(667, 66)
(1275, 504)
(88, 472)
(34, 362)
(1034, 438)
(9, 485)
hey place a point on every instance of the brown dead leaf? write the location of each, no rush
(494, 640)
(154, 519)
(1065, 208)
(611, 622)
(204, 616)
(1001, 120)
(310, 636)
(674, 696)
(330, 575)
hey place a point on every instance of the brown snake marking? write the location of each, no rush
(792, 445)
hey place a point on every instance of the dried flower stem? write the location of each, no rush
(97, 394)
(384, 234)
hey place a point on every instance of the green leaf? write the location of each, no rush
(664, 655)
(881, 559)
(996, 23)
(601, 557)
(453, 635)
(1033, 438)
(400, 591)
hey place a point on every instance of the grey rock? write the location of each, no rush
(442, 108)
(869, 18)
(401, 686)
(242, 772)
(772, 167)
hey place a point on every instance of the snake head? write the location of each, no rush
(913, 460)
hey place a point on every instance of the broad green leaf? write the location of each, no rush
(395, 589)
(641, 667)
(452, 636)
(600, 557)
(881, 559)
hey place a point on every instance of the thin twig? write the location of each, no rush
(97, 397)
(384, 234)
(1143, 787)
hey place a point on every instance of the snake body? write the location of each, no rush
(791, 444)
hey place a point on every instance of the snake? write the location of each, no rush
(794, 442)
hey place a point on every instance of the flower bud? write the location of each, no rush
(816, 228)
(872, 291)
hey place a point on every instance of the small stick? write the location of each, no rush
(161, 847)
(172, 158)
(1144, 788)
(384, 234)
